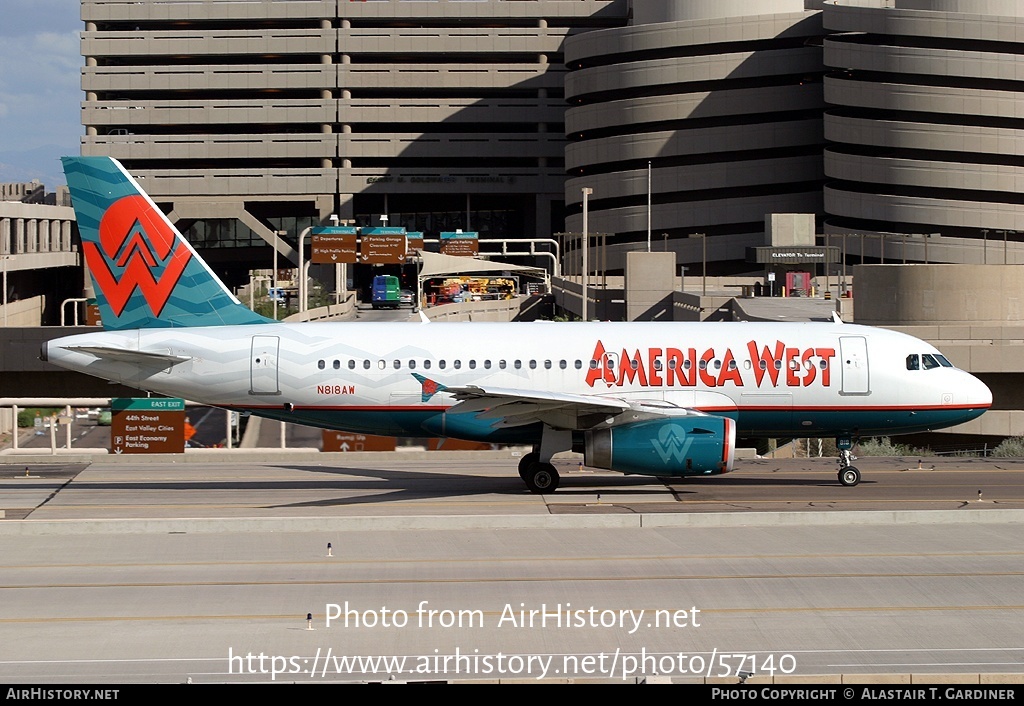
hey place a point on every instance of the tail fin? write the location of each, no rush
(145, 273)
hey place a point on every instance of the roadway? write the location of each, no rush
(163, 569)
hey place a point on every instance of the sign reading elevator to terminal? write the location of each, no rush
(147, 425)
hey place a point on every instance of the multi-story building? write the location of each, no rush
(244, 119)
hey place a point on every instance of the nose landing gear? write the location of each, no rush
(848, 474)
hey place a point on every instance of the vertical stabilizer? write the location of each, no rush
(145, 273)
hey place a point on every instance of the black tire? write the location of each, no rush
(849, 476)
(525, 462)
(541, 478)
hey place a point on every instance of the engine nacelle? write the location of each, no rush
(680, 446)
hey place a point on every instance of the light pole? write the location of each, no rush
(648, 205)
(984, 245)
(5, 258)
(302, 268)
(273, 275)
(703, 262)
(587, 191)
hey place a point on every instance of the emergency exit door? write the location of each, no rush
(263, 366)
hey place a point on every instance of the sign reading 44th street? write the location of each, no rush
(147, 425)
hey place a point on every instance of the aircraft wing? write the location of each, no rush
(520, 407)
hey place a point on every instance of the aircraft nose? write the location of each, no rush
(973, 394)
(978, 393)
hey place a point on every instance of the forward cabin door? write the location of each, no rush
(854, 353)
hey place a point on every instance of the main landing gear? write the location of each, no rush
(848, 474)
(539, 477)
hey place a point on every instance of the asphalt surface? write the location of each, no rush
(184, 568)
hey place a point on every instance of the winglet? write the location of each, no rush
(428, 387)
(423, 317)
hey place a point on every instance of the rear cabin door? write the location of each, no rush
(263, 366)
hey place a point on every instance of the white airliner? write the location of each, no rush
(661, 399)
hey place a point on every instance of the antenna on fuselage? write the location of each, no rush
(423, 317)
(836, 319)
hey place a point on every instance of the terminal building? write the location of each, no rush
(246, 119)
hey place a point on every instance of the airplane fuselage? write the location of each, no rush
(773, 380)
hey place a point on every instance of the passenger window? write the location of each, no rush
(398, 365)
(487, 364)
(381, 364)
(579, 365)
(562, 364)
(657, 363)
(366, 364)
(533, 365)
(912, 362)
(763, 365)
(321, 364)
(634, 364)
(518, 364)
(441, 364)
(352, 364)
(457, 364)
(547, 365)
(594, 364)
(426, 364)
(472, 365)
(501, 364)
(412, 364)
(337, 365)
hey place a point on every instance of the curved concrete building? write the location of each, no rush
(926, 123)
(717, 103)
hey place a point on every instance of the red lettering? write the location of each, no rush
(826, 355)
(730, 372)
(595, 372)
(706, 377)
(653, 361)
(765, 361)
(631, 369)
(791, 355)
(674, 363)
(808, 364)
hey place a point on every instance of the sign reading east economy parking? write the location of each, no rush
(147, 425)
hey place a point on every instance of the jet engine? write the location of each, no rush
(673, 446)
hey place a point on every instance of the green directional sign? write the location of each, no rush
(167, 404)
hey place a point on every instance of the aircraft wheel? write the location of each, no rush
(849, 476)
(541, 478)
(525, 462)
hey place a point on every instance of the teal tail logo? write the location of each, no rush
(428, 387)
(145, 273)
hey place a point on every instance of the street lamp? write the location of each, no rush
(587, 191)
(984, 245)
(302, 268)
(273, 275)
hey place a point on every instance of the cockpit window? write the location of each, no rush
(943, 362)
(913, 362)
(928, 361)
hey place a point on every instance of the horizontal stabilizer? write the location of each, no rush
(143, 357)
